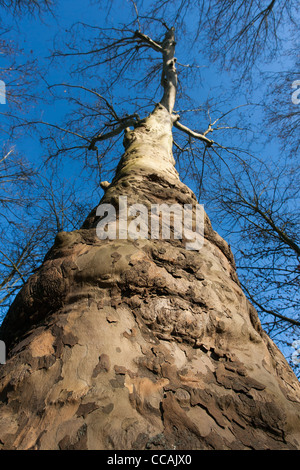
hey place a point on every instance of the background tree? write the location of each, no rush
(33, 209)
(35, 204)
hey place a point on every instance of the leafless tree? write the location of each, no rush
(116, 78)
(32, 212)
(239, 32)
(26, 6)
(283, 109)
(20, 236)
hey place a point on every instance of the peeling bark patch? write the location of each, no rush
(42, 345)
(62, 338)
(116, 256)
(108, 408)
(178, 425)
(102, 366)
(232, 380)
(78, 442)
(118, 382)
(86, 408)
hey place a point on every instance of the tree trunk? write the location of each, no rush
(142, 344)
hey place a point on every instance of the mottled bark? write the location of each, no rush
(122, 344)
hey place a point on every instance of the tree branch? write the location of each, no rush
(123, 123)
(191, 133)
(144, 38)
(109, 106)
(271, 312)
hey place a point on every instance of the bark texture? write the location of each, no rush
(122, 344)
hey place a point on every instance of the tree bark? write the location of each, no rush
(142, 344)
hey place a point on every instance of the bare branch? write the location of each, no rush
(193, 134)
(270, 312)
(146, 39)
(123, 123)
(109, 106)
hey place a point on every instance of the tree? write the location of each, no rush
(238, 33)
(265, 219)
(99, 112)
(26, 6)
(33, 207)
(141, 343)
(15, 176)
(33, 210)
(19, 74)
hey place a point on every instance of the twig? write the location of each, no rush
(191, 133)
